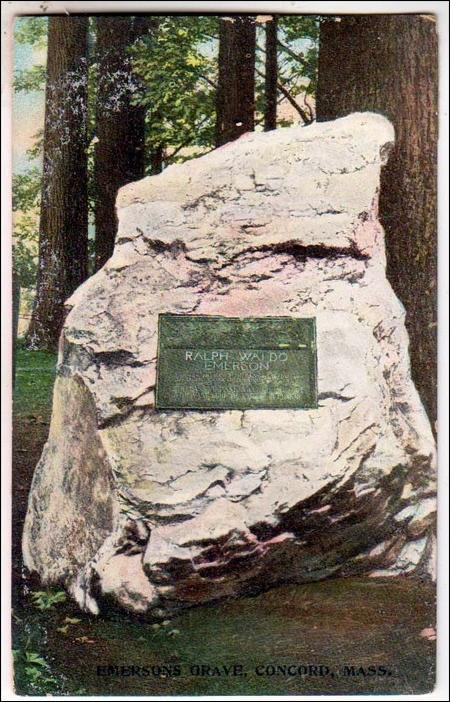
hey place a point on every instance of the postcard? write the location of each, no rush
(224, 267)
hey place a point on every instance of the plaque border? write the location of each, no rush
(212, 317)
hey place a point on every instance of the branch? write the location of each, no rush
(187, 142)
(294, 103)
(288, 51)
(291, 53)
(310, 109)
(290, 98)
(208, 80)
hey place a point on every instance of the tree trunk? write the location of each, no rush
(235, 101)
(63, 217)
(15, 321)
(157, 159)
(120, 125)
(389, 64)
(271, 76)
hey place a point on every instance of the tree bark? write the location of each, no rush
(271, 76)
(63, 223)
(157, 159)
(235, 100)
(389, 64)
(15, 321)
(119, 156)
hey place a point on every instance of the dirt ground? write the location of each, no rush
(29, 437)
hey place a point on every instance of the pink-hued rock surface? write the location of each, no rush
(165, 509)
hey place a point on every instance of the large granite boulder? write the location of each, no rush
(158, 510)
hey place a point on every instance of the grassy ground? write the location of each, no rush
(35, 372)
(366, 634)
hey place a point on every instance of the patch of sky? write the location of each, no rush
(28, 107)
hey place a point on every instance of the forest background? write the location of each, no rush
(100, 101)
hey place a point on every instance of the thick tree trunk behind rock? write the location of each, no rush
(235, 102)
(388, 64)
(64, 216)
(120, 125)
(271, 76)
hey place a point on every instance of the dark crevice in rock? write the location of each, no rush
(238, 562)
(74, 356)
(115, 419)
(264, 531)
(134, 538)
(127, 239)
(330, 211)
(114, 359)
(301, 252)
(211, 197)
(199, 261)
(334, 396)
(175, 247)
(170, 519)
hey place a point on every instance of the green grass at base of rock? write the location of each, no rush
(35, 375)
(274, 643)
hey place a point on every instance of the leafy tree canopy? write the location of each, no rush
(31, 30)
(177, 66)
(26, 189)
(299, 64)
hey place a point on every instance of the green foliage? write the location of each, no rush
(178, 71)
(295, 27)
(47, 599)
(37, 150)
(24, 259)
(25, 250)
(30, 79)
(31, 30)
(25, 201)
(26, 190)
(299, 62)
(32, 673)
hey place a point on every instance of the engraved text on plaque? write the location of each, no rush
(211, 362)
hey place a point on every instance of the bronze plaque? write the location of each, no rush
(211, 362)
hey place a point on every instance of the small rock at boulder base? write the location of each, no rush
(159, 510)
